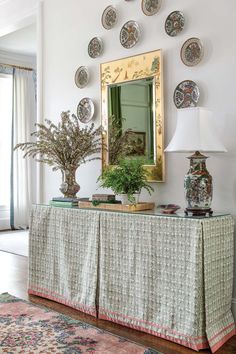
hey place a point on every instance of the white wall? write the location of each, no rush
(75, 22)
(69, 25)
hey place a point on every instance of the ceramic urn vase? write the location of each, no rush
(69, 186)
(198, 184)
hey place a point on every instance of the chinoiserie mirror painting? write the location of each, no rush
(132, 111)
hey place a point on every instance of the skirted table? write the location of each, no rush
(170, 276)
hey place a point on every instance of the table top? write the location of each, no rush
(153, 212)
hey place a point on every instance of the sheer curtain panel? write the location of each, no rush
(24, 116)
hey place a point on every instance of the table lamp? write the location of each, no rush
(196, 132)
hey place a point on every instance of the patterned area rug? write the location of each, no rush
(32, 329)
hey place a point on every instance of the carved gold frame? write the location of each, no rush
(147, 65)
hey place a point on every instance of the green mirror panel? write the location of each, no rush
(132, 111)
(131, 123)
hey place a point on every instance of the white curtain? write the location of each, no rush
(24, 117)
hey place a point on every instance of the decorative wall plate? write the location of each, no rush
(174, 23)
(129, 34)
(109, 17)
(85, 110)
(151, 7)
(81, 77)
(186, 94)
(191, 52)
(95, 47)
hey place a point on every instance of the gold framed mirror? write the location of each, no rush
(132, 111)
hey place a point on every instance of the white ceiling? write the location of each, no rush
(22, 41)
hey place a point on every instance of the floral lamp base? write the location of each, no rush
(198, 186)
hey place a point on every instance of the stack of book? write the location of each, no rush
(103, 197)
(66, 202)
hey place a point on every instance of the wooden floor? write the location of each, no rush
(13, 279)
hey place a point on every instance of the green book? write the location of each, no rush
(63, 204)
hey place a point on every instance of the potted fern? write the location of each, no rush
(127, 178)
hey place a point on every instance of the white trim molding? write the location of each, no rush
(17, 59)
(40, 36)
(5, 218)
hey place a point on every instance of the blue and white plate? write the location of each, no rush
(95, 47)
(81, 77)
(191, 52)
(129, 34)
(151, 7)
(186, 94)
(109, 17)
(85, 110)
(174, 23)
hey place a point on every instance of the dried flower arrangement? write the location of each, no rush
(119, 141)
(65, 147)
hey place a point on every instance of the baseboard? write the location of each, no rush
(4, 224)
(234, 308)
(4, 217)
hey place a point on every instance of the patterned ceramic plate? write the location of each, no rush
(174, 23)
(129, 34)
(81, 77)
(95, 47)
(191, 52)
(109, 17)
(151, 7)
(169, 208)
(85, 110)
(186, 94)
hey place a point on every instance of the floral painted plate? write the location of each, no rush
(174, 23)
(81, 77)
(186, 94)
(129, 34)
(85, 110)
(151, 7)
(95, 47)
(109, 17)
(169, 208)
(191, 52)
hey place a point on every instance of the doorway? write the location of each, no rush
(17, 52)
(5, 147)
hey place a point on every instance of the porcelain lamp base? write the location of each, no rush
(198, 186)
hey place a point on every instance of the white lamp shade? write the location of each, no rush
(195, 131)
